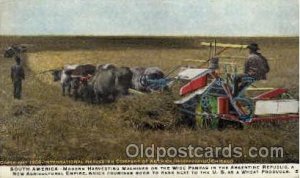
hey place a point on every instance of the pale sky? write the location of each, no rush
(150, 17)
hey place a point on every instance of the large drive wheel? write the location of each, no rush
(205, 112)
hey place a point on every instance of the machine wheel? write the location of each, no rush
(208, 120)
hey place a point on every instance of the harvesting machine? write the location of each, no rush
(211, 99)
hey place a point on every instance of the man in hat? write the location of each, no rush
(17, 75)
(256, 65)
(256, 68)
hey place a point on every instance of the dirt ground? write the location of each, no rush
(47, 126)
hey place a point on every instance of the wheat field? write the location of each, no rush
(47, 126)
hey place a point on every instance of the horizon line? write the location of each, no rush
(191, 36)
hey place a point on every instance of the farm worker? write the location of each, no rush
(17, 75)
(256, 67)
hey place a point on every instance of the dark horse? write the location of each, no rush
(14, 50)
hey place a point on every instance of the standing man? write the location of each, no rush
(17, 75)
(256, 67)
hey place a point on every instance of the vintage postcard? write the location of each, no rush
(149, 88)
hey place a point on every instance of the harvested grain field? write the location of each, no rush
(47, 126)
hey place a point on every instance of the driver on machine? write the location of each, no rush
(256, 68)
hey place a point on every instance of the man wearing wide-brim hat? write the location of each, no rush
(256, 64)
(256, 67)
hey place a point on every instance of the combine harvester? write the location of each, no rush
(209, 99)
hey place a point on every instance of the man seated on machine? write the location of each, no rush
(256, 68)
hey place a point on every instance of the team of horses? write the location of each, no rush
(106, 82)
